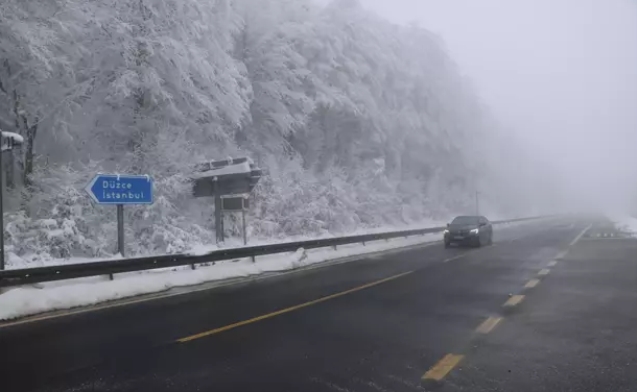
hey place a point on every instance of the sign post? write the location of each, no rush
(120, 230)
(121, 190)
(8, 140)
(1, 213)
(219, 219)
(243, 224)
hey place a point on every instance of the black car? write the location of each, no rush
(469, 230)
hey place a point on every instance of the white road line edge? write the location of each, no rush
(580, 235)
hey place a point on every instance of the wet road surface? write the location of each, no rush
(548, 307)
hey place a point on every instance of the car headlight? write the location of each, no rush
(474, 231)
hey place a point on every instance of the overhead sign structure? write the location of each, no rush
(230, 177)
(121, 189)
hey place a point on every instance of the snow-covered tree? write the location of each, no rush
(357, 122)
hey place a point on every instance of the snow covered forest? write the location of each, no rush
(357, 123)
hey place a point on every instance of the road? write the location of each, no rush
(551, 306)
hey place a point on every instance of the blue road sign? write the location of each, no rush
(121, 189)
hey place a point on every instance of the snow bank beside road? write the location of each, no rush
(25, 301)
(59, 295)
(625, 223)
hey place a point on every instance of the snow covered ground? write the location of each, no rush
(625, 223)
(44, 297)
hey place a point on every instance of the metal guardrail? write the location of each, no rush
(18, 277)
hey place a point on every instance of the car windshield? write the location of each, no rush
(466, 220)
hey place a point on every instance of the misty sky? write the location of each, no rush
(562, 73)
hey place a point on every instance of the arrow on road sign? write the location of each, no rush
(121, 189)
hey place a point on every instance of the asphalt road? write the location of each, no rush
(419, 320)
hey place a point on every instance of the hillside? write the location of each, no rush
(357, 122)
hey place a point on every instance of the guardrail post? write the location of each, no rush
(120, 234)
(193, 266)
(334, 247)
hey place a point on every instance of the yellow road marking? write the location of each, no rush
(443, 367)
(531, 283)
(551, 263)
(488, 325)
(288, 310)
(457, 257)
(544, 272)
(514, 300)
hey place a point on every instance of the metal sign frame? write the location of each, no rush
(207, 183)
(12, 140)
(122, 184)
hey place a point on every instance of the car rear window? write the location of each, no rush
(466, 220)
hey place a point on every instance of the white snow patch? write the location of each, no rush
(230, 169)
(48, 223)
(26, 261)
(12, 135)
(625, 223)
(200, 249)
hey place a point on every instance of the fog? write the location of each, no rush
(562, 74)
